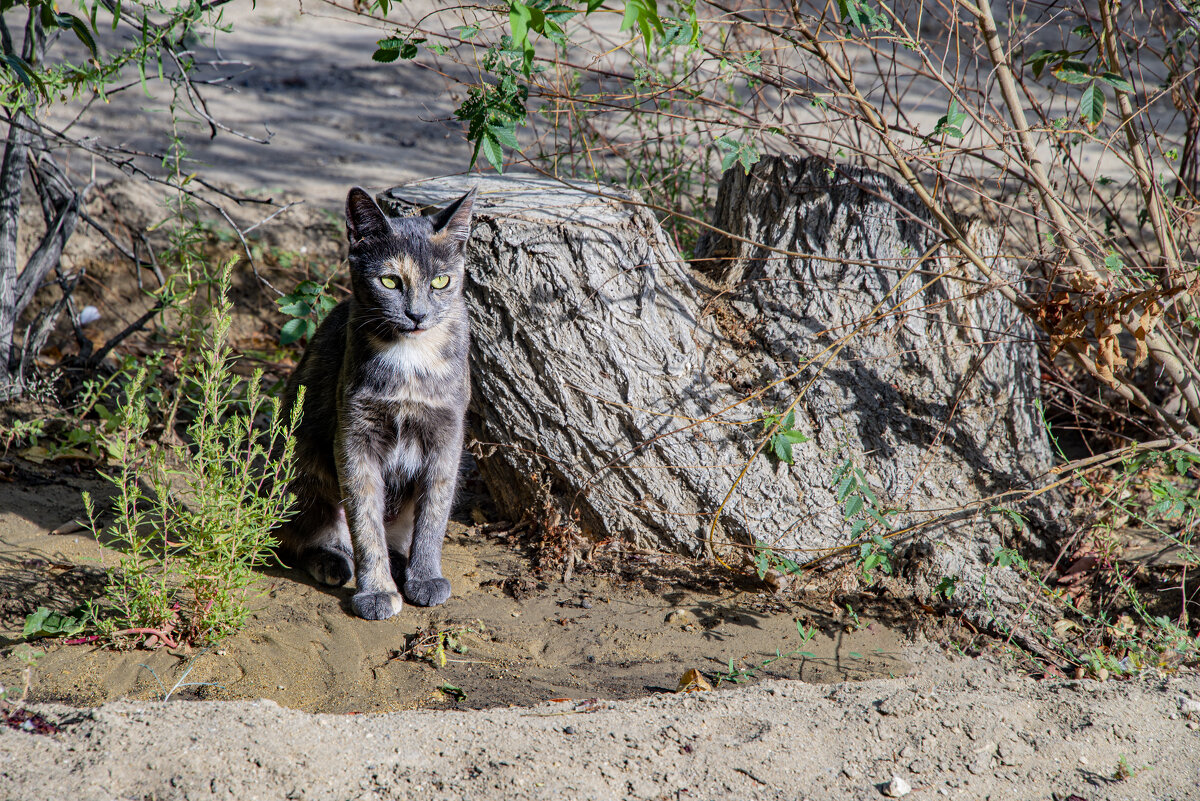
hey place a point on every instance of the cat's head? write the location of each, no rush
(407, 272)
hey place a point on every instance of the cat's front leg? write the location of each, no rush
(424, 583)
(362, 484)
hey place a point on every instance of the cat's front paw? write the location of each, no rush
(328, 566)
(377, 605)
(429, 592)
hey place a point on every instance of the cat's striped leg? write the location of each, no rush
(424, 583)
(376, 597)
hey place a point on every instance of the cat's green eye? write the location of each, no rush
(440, 282)
(389, 281)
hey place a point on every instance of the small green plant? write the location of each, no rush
(785, 436)
(946, 587)
(861, 509)
(28, 657)
(875, 554)
(852, 621)
(452, 692)
(741, 675)
(181, 682)
(195, 518)
(22, 433)
(767, 558)
(432, 643)
(307, 305)
(1123, 771)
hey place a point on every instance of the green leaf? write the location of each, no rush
(737, 152)
(879, 518)
(845, 488)
(1039, 60)
(853, 506)
(294, 330)
(506, 135)
(782, 448)
(1073, 72)
(454, 693)
(946, 587)
(643, 15)
(489, 145)
(25, 73)
(45, 623)
(1092, 104)
(1113, 262)
(81, 31)
(1116, 81)
(858, 14)
(297, 308)
(762, 562)
(385, 55)
(950, 123)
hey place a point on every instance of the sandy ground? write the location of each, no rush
(958, 728)
(631, 630)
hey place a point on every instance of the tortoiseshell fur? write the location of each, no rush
(386, 388)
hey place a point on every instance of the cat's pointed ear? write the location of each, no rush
(363, 218)
(453, 223)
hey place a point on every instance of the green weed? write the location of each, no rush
(741, 675)
(194, 519)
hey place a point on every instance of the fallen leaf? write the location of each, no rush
(693, 681)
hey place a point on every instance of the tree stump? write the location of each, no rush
(921, 375)
(609, 373)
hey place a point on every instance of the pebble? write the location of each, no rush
(569, 730)
(586, 603)
(680, 616)
(897, 788)
(1189, 706)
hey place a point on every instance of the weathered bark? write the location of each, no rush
(12, 178)
(933, 394)
(597, 361)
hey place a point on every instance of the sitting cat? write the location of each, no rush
(386, 389)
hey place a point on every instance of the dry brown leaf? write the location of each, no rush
(1145, 325)
(693, 681)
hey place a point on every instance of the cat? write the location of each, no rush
(386, 386)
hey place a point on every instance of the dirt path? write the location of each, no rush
(957, 728)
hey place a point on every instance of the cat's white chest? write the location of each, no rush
(414, 355)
